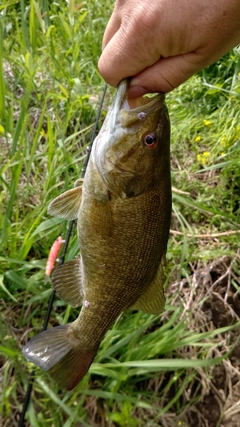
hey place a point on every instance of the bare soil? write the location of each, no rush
(219, 405)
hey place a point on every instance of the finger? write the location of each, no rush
(113, 26)
(166, 74)
(124, 57)
(111, 62)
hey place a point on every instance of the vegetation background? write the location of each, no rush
(178, 369)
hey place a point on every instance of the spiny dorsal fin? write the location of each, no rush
(66, 281)
(152, 300)
(67, 204)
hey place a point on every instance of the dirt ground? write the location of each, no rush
(219, 281)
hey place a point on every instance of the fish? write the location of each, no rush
(123, 212)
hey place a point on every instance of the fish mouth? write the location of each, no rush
(122, 111)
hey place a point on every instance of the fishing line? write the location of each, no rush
(60, 262)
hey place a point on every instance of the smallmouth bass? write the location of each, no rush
(123, 208)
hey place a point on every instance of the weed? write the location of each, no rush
(149, 371)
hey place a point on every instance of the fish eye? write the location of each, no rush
(151, 140)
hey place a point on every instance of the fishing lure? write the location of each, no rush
(53, 255)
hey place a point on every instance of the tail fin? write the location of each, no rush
(58, 352)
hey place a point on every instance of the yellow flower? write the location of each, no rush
(198, 138)
(222, 153)
(203, 158)
(224, 141)
(205, 154)
(207, 122)
(43, 133)
(2, 130)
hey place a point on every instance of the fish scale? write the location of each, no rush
(123, 244)
(123, 210)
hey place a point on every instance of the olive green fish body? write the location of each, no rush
(123, 210)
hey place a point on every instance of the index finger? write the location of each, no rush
(124, 56)
(113, 26)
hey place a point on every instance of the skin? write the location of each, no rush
(164, 42)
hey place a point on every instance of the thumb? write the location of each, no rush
(166, 74)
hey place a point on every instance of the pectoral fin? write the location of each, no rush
(152, 300)
(66, 281)
(67, 204)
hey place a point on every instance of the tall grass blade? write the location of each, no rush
(2, 85)
(24, 26)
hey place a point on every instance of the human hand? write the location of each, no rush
(164, 42)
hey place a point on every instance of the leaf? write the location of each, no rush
(5, 289)
(54, 397)
(46, 225)
(8, 352)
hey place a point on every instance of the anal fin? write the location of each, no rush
(67, 204)
(60, 353)
(67, 283)
(152, 300)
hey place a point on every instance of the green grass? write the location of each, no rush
(49, 94)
